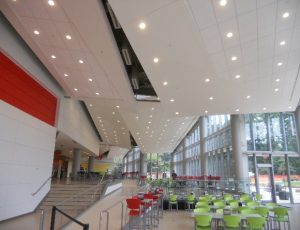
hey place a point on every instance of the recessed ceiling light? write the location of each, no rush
(277, 80)
(113, 113)
(290, 107)
(206, 111)
(51, 3)
(150, 116)
(91, 105)
(155, 60)
(172, 100)
(152, 108)
(223, 3)
(234, 58)
(229, 34)
(286, 15)
(237, 76)
(36, 32)
(237, 110)
(75, 89)
(182, 123)
(165, 83)
(142, 25)
(149, 122)
(279, 64)
(53, 56)
(123, 133)
(207, 80)
(168, 120)
(264, 108)
(66, 75)
(147, 127)
(97, 93)
(80, 61)
(118, 121)
(282, 43)
(90, 79)
(68, 37)
(118, 106)
(211, 98)
(276, 89)
(137, 117)
(248, 97)
(176, 113)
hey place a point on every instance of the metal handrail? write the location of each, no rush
(45, 182)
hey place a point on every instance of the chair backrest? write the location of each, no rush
(203, 220)
(243, 208)
(148, 196)
(258, 197)
(234, 204)
(263, 211)
(173, 198)
(219, 204)
(248, 211)
(220, 211)
(256, 222)
(280, 211)
(191, 198)
(271, 204)
(133, 203)
(202, 210)
(252, 204)
(202, 203)
(232, 221)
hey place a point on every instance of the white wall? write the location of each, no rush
(26, 156)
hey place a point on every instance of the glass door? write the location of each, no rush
(264, 182)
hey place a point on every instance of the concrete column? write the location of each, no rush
(143, 164)
(91, 163)
(76, 162)
(203, 156)
(239, 145)
(69, 171)
(59, 169)
(297, 121)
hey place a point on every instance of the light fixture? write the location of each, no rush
(211, 98)
(117, 106)
(137, 117)
(97, 93)
(168, 120)
(66, 75)
(279, 64)
(237, 76)
(229, 34)
(75, 89)
(152, 108)
(277, 80)
(206, 111)
(113, 113)
(90, 79)
(223, 3)
(149, 122)
(207, 80)
(91, 105)
(165, 83)
(276, 89)
(68, 37)
(172, 100)
(248, 97)
(282, 43)
(290, 107)
(142, 25)
(286, 15)
(237, 110)
(150, 116)
(234, 58)
(51, 3)
(118, 121)
(264, 108)
(80, 61)
(155, 60)
(176, 113)
(53, 56)
(36, 32)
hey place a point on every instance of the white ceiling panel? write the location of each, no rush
(247, 26)
(244, 6)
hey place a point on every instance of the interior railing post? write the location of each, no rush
(42, 220)
(53, 218)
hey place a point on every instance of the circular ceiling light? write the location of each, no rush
(165, 83)
(223, 3)
(36, 32)
(234, 58)
(68, 37)
(142, 25)
(229, 34)
(51, 3)
(237, 76)
(279, 64)
(286, 15)
(155, 60)
(282, 43)
(207, 80)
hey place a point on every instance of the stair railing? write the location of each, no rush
(39, 189)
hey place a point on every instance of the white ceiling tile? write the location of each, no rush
(247, 26)
(293, 60)
(265, 67)
(266, 47)
(286, 6)
(250, 72)
(250, 52)
(226, 12)
(203, 12)
(295, 44)
(229, 26)
(244, 6)
(212, 39)
(266, 20)
(263, 3)
(219, 62)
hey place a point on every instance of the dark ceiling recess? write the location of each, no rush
(132, 141)
(141, 85)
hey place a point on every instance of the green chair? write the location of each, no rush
(219, 204)
(256, 223)
(258, 197)
(271, 204)
(242, 208)
(201, 204)
(263, 212)
(220, 211)
(190, 201)
(252, 204)
(173, 201)
(248, 211)
(281, 216)
(234, 205)
(244, 198)
(232, 222)
(202, 210)
(228, 197)
(203, 222)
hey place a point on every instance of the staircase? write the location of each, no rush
(71, 198)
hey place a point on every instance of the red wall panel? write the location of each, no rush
(20, 90)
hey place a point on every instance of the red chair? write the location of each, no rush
(154, 204)
(135, 210)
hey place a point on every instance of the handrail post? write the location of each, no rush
(52, 225)
(42, 220)
(107, 219)
(122, 214)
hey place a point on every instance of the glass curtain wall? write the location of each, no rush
(158, 165)
(131, 162)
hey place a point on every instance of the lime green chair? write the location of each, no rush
(248, 211)
(252, 204)
(228, 197)
(256, 223)
(258, 197)
(281, 216)
(234, 205)
(263, 212)
(271, 204)
(201, 204)
(203, 222)
(244, 198)
(173, 201)
(232, 222)
(190, 201)
(219, 204)
(220, 211)
(202, 210)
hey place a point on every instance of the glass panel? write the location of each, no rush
(295, 177)
(265, 183)
(280, 179)
(276, 132)
(290, 132)
(264, 159)
(260, 132)
(251, 173)
(248, 132)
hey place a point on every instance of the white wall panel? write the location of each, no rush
(26, 156)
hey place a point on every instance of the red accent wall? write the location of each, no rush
(20, 90)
